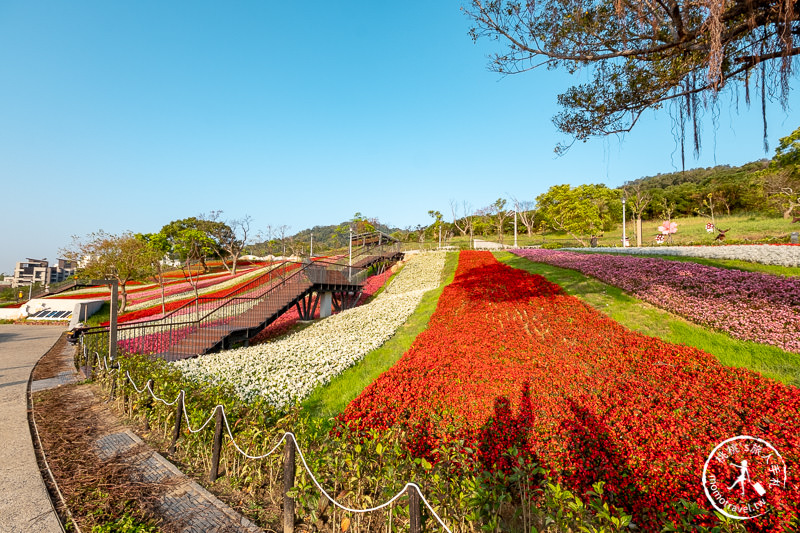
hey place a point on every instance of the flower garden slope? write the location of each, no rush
(289, 369)
(747, 305)
(637, 315)
(508, 359)
(767, 254)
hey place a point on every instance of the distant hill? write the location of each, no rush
(734, 189)
(335, 236)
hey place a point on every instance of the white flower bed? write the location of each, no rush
(291, 368)
(757, 253)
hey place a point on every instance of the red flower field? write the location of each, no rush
(509, 359)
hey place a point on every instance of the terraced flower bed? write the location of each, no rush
(288, 370)
(509, 360)
(747, 305)
(151, 309)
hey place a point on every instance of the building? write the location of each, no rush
(39, 271)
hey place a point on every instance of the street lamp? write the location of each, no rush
(624, 238)
(515, 228)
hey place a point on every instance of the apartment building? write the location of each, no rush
(40, 271)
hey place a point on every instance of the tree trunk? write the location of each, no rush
(583, 243)
(163, 293)
(235, 260)
(639, 231)
(225, 264)
(788, 213)
(124, 294)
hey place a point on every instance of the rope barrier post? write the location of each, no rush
(289, 468)
(178, 418)
(217, 447)
(90, 365)
(149, 386)
(126, 393)
(414, 510)
(113, 393)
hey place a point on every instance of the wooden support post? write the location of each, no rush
(217, 446)
(414, 510)
(178, 419)
(288, 484)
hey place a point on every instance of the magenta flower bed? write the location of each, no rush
(747, 305)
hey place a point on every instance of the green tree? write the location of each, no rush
(782, 178)
(638, 199)
(787, 154)
(124, 258)
(580, 211)
(643, 55)
(437, 223)
(157, 249)
(497, 215)
(362, 224)
(230, 237)
(190, 240)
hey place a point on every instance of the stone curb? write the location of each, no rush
(188, 502)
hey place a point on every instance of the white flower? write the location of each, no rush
(290, 368)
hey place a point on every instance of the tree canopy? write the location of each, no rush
(124, 258)
(644, 54)
(787, 154)
(580, 211)
(190, 239)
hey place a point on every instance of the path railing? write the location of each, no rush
(291, 448)
(201, 324)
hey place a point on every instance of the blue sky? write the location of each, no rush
(127, 115)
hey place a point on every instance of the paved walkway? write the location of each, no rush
(24, 505)
(186, 504)
(488, 245)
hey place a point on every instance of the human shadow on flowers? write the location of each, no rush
(595, 454)
(500, 283)
(504, 430)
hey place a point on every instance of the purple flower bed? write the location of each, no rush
(751, 306)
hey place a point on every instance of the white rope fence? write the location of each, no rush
(182, 394)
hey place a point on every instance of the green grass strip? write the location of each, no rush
(634, 314)
(102, 315)
(330, 400)
(735, 264)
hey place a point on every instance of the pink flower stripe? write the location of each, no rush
(161, 342)
(136, 290)
(747, 305)
(154, 311)
(153, 343)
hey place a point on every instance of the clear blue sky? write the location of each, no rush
(127, 115)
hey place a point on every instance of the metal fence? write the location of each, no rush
(210, 323)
